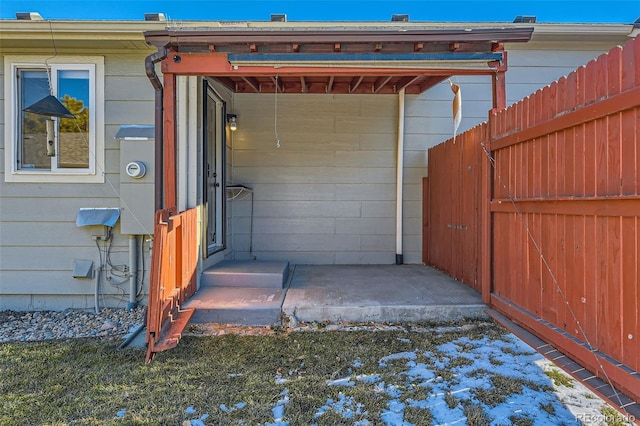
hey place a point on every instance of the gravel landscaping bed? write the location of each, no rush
(45, 325)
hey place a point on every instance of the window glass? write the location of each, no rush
(54, 149)
(73, 133)
(33, 86)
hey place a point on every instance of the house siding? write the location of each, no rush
(39, 239)
(311, 193)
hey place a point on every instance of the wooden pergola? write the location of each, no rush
(330, 59)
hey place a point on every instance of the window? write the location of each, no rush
(53, 149)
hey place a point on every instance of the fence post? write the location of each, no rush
(486, 222)
(426, 212)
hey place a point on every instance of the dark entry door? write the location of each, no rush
(214, 130)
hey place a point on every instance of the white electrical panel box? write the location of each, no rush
(137, 173)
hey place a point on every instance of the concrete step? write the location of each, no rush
(246, 274)
(237, 305)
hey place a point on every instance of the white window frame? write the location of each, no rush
(95, 172)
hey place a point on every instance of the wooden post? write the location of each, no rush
(499, 90)
(486, 232)
(498, 81)
(426, 209)
(170, 199)
(499, 95)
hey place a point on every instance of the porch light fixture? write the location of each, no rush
(233, 124)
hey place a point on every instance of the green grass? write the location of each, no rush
(88, 381)
(558, 378)
(613, 418)
(475, 414)
(504, 386)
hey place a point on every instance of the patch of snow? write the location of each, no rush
(438, 362)
(394, 416)
(280, 380)
(235, 407)
(394, 357)
(420, 371)
(440, 411)
(345, 381)
(368, 378)
(345, 406)
(357, 363)
(392, 390)
(190, 410)
(120, 414)
(485, 358)
(200, 421)
(278, 410)
(577, 398)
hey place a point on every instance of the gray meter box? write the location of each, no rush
(136, 192)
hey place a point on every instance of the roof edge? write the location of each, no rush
(190, 36)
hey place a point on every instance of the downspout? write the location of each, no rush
(400, 178)
(150, 68)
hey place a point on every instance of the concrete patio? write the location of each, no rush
(337, 293)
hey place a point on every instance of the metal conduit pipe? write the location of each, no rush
(96, 293)
(150, 68)
(400, 178)
(133, 271)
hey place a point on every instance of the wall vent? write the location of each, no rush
(28, 16)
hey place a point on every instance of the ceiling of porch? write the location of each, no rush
(336, 60)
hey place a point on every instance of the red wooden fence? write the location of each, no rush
(453, 236)
(558, 215)
(173, 278)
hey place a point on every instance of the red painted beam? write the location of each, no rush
(380, 83)
(353, 86)
(216, 64)
(619, 206)
(253, 82)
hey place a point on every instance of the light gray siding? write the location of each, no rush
(328, 189)
(39, 239)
